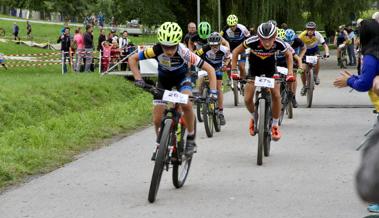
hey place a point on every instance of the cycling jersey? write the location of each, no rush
(215, 59)
(235, 38)
(261, 60)
(172, 66)
(312, 41)
(297, 45)
(340, 38)
(199, 42)
(281, 58)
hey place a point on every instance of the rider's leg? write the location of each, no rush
(158, 110)
(220, 95)
(276, 106)
(241, 66)
(249, 97)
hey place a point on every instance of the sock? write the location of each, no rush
(191, 133)
(220, 110)
(275, 122)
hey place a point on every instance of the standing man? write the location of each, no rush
(88, 47)
(350, 46)
(191, 28)
(65, 41)
(15, 31)
(28, 30)
(101, 39)
(123, 43)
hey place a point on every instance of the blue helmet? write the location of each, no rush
(290, 35)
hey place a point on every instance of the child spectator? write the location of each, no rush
(106, 58)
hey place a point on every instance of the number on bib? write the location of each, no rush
(264, 82)
(175, 97)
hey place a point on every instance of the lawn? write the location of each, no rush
(47, 118)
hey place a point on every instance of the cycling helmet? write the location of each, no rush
(214, 39)
(266, 30)
(204, 30)
(311, 25)
(169, 34)
(273, 22)
(281, 34)
(290, 35)
(232, 20)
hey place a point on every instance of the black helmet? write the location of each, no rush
(266, 30)
(311, 25)
(214, 39)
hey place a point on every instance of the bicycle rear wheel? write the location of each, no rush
(261, 129)
(181, 169)
(268, 124)
(290, 106)
(160, 160)
(310, 85)
(235, 92)
(200, 105)
(283, 95)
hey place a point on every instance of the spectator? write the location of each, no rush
(350, 46)
(15, 31)
(65, 41)
(65, 25)
(124, 44)
(191, 28)
(284, 26)
(115, 53)
(101, 20)
(101, 39)
(79, 47)
(28, 29)
(2, 61)
(110, 37)
(368, 174)
(106, 57)
(88, 46)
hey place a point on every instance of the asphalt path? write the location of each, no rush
(310, 172)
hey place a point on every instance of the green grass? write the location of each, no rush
(47, 118)
(44, 33)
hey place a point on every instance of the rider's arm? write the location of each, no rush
(363, 82)
(299, 61)
(224, 42)
(211, 75)
(326, 48)
(302, 51)
(142, 55)
(133, 64)
(235, 54)
(289, 60)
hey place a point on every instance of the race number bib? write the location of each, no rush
(311, 59)
(175, 97)
(264, 82)
(202, 73)
(282, 70)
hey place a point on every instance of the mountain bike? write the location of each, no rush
(343, 59)
(310, 77)
(209, 107)
(286, 95)
(263, 120)
(172, 141)
(237, 88)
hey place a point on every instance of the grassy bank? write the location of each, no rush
(47, 118)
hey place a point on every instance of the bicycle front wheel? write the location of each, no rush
(208, 118)
(235, 92)
(181, 169)
(310, 85)
(160, 160)
(261, 129)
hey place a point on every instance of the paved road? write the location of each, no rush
(310, 173)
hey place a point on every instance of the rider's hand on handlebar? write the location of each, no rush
(290, 78)
(213, 94)
(140, 83)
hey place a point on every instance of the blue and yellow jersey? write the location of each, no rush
(312, 41)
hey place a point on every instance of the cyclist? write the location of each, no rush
(198, 40)
(235, 34)
(218, 56)
(281, 61)
(312, 39)
(262, 61)
(340, 41)
(173, 59)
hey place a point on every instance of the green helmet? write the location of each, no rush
(281, 34)
(232, 20)
(204, 30)
(170, 34)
